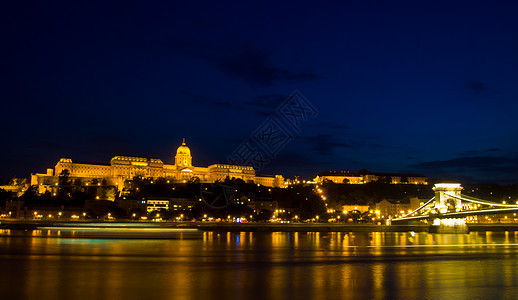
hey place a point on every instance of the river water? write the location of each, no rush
(210, 265)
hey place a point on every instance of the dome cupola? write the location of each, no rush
(183, 149)
(183, 156)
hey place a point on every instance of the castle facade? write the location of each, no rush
(122, 168)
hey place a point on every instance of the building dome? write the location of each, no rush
(183, 156)
(183, 149)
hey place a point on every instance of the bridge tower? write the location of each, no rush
(443, 200)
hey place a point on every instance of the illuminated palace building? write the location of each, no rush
(121, 168)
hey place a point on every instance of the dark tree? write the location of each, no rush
(264, 215)
(63, 177)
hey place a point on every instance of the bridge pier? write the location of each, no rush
(449, 226)
(444, 202)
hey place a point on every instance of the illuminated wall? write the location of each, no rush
(270, 180)
(222, 171)
(355, 178)
(121, 168)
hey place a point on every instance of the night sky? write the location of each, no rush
(426, 87)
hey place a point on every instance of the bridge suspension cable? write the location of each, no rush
(480, 201)
(420, 207)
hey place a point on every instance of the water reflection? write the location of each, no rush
(39, 264)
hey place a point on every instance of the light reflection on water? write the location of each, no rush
(37, 264)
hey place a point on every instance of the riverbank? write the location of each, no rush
(323, 227)
(309, 227)
(247, 227)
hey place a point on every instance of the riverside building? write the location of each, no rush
(365, 176)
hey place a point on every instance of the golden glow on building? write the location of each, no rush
(366, 177)
(122, 168)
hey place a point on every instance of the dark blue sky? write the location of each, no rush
(425, 87)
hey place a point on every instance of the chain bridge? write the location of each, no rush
(449, 203)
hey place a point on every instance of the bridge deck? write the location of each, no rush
(461, 214)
